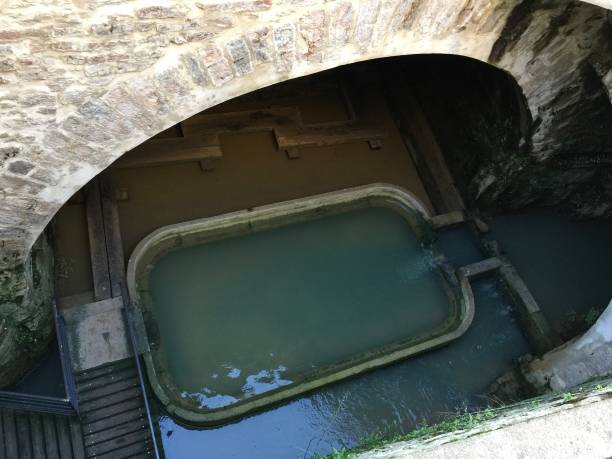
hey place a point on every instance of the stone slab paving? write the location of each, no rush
(96, 333)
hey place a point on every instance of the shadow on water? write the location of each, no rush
(46, 378)
(566, 264)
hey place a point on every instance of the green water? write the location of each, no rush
(397, 398)
(566, 264)
(545, 249)
(243, 316)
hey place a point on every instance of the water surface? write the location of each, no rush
(243, 316)
(566, 264)
(397, 398)
(46, 378)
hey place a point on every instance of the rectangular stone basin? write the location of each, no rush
(253, 307)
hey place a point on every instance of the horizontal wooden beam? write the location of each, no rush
(156, 152)
(318, 136)
(243, 121)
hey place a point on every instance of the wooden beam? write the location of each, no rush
(156, 152)
(318, 136)
(97, 242)
(112, 233)
(428, 151)
(243, 121)
(10, 433)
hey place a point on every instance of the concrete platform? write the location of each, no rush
(96, 333)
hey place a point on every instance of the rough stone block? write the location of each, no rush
(173, 82)
(241, 57)
(218, 67)
(341, 23)
(192, 64)
(261, 44)
(106, 117)
(147, 95)
(284, 42)
(159, 12)
(26, 292)
(83, 128)
(20, 167)
(366, 19)
(7, 65)
(313, 29)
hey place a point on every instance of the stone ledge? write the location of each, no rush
(570, 424)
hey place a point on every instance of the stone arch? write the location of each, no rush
(83, 82)
(96, 104)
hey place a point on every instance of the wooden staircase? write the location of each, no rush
(112, 424)
(113, 415)
(34, 435)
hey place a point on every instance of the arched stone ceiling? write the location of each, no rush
(82, 82)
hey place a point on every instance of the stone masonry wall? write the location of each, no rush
(26, 320)
(83, 82)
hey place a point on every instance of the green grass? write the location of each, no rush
(464, 421)
(568, 397)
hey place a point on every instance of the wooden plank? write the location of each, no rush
(105, 369)
(131, 403)
(10, 433)
(120, 375)
(143, 455)
(318, 136)
(427, 148)
(107, 391)
(138, 449)
(106, 423)
(112, 231)
(112, 400)
(23, 435)
(63, 437)
(157, 152)
(241, 121)
(97, 242)
(115, 445)
(2, 454)
(50, 434)
(76, 438)
(38, 437)
(293, 153)
(118, 430)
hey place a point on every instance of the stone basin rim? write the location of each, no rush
(248, 221)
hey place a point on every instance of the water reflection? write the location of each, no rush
(240, 317)
(397, 398)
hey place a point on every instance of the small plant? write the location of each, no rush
(568, 397)
(591, 317)
(342, 454)
(463, 421)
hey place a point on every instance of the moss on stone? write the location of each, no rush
(26, 317)
(465, 425)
